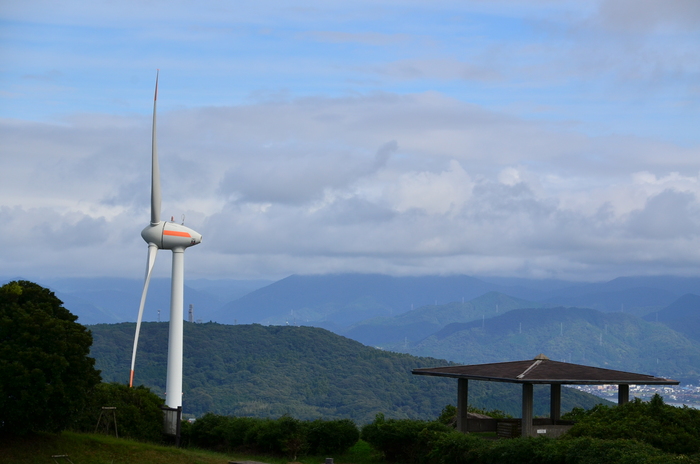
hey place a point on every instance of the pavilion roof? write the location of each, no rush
(543, 370)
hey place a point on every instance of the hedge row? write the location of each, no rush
(285, 436)
(419, 442)
(668, 428)
(634, 433)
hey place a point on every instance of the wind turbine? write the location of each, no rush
(161, 235)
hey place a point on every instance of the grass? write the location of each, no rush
(101, 449)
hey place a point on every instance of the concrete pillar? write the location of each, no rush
(555, 403)
(623, 394)
(462, 404)
(527, 410)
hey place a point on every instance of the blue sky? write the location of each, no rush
(519, 138)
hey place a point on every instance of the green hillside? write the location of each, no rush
(683, 315)
(419, 323)
(585, 336)
(305, 372)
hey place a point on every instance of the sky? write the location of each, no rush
(537, 139)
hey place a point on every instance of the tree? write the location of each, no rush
(668, 428)
(45, 370)
(138, 412)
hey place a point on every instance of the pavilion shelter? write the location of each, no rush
(540, 370)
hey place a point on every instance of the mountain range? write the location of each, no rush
(649, 324)
(338, 301)
(109, 300)
(580, 335)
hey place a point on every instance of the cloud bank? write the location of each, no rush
(534, 139)
(409, 184)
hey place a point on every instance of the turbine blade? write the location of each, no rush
(151, 260)
(155, 170)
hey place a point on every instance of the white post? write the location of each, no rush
(173, 385)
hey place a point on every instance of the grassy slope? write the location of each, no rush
(101, 449)
(98, 449)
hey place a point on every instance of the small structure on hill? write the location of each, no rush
(540, 370)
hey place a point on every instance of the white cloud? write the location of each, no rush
(400, 184)
(434, 193)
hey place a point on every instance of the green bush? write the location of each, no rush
(448, 416)
(594, 451)
(138, 411)
(419, 442)
(670, 429)
(538, 450)
(403, 440)
(331, 437)
(221, 433)
(457, 448)
(284, 436)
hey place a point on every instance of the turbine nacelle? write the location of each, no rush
(170, 236)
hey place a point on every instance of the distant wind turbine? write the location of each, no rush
(161, 235)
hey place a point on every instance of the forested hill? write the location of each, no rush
(306, 372)
(419, 323)
(683, 315)
(580, 335)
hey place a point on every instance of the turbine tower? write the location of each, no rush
(161, 235)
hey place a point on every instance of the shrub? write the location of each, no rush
(457, 448)
(538, 450)
(221, 433)
(594, 451)
(403, 440)
(284, 436)
(671, 429)
(448, 416)
(138, 411)
(331, 437)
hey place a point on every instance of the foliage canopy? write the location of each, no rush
(138, 412)
(668, 428)
(285, 436)
(45, 370)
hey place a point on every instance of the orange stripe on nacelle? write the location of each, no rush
(176, 233)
